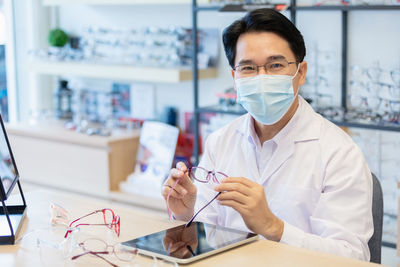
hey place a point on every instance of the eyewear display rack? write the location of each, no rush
(11, 216)
(293, 8)
(11, 219)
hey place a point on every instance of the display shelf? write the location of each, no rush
(239, 7)
(118, 2)
(348, 8)
(292, 8)
(118, 72)
(55, 131)
(221, 110)
(80, 159)
(367, 126)
(389, 244)
(246, 8)
(208, 7)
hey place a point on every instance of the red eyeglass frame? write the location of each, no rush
(116, 221)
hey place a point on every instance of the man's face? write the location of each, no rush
(260, 47)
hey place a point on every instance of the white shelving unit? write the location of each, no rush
(119, 2)
(118, 72)
(98, 156)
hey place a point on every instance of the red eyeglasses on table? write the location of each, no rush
(111, 220)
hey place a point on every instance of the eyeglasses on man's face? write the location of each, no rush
(273, 67)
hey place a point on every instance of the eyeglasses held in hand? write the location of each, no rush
(98, 248)
(111, 220)
(201, 175)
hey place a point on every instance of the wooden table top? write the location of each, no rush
(135, 223)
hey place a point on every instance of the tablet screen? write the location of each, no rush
(188, 242)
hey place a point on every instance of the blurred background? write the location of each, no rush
(82, 78)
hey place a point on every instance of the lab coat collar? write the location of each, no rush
(305, 125)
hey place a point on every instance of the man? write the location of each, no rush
(294, 177)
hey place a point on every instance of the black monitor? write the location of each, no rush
(8, 169)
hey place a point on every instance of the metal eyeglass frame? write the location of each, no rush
(257, 67)
(210, 175)
(104, 252)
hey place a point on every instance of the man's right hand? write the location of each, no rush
(183, 196)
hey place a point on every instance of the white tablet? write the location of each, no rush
(187, 244)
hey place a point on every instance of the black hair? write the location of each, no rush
(263, 20)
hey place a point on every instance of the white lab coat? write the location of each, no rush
(316, 181)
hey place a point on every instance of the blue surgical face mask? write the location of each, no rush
(266, 97)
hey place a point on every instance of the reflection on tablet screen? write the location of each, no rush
(186, 242)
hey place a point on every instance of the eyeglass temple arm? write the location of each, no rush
(194, 216)
(95, 254)
(100, 224)
(87, 224)
(80, 218)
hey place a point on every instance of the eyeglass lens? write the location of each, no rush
(202, 175)
(98, 246)
(108, 216)
(276, 67)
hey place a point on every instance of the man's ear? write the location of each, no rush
(302, 73)
(233, 76)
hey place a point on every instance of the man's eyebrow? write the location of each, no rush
(269, 59)
(276, 57)
(245, 61)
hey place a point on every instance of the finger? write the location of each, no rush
(181, 166)
(182, 176)
(167, 242)
(236, 196)
(237, 187)
(177, 173)
(173, 194)
(240, 180)
(188, 184)
(233, 204)
(168, 190)
(176, 246)
(176, 187)
(182, 252)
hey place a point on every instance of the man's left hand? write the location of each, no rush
(248, 198)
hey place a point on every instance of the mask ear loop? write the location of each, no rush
(294, 76)
(297, 71)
